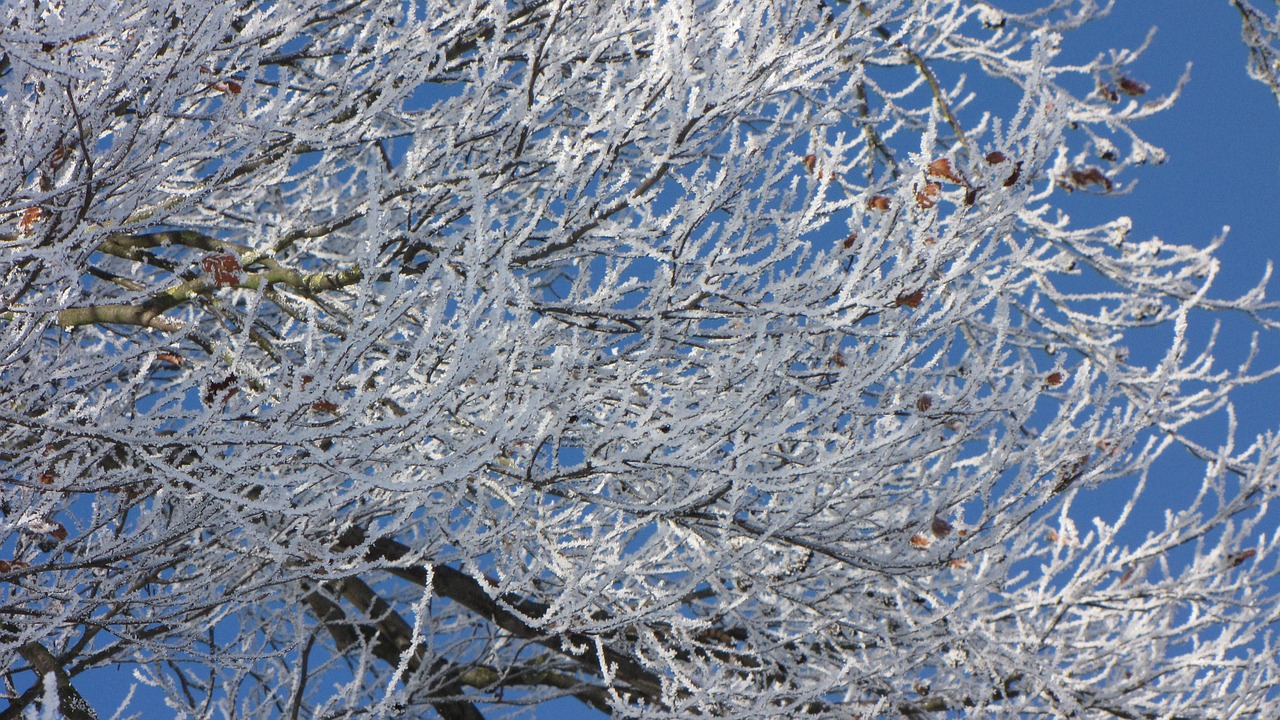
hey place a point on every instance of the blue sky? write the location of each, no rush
(1223, 142)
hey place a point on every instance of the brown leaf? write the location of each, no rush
(1106, 92)
(1013, 176)
(30, 217)
(849, 241)
(927, 197)
(878, 202)
(995, 157)
(170, 358)
(810, 163)
(1084, 177)
(226, 384)
(1054, 379)
(911, 300)
(326, 406)
(225, 269)
(920, 542)
(942, 168)
(1131, 87)
(46, 478)
(939, 527)
(923, 403)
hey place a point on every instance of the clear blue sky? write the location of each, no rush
(1223, 141)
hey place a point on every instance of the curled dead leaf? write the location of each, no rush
(941, 168)
(1085, 177)
(29, 218)
(939, 527)
(325, 406)
(226, 385)
(1131, 87)
(927, 196)
(1013, 176)
(911, 300)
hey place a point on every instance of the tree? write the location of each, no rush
(687, 359)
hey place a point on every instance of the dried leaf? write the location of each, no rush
(911, 300)
(942, 168)
(325, 406)
(1054, 379)
(30, 217)
(226, 385)
(927, 197)
(995, 157)
(878, 202)
(939, 527)
(1131, 87)
(224, 268)
(1084, 177)
(1013, 176)
(920, 542)
(923, 403)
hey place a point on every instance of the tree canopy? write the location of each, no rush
(703, 358)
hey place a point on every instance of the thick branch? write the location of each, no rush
(71, 703)
(466, 591)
